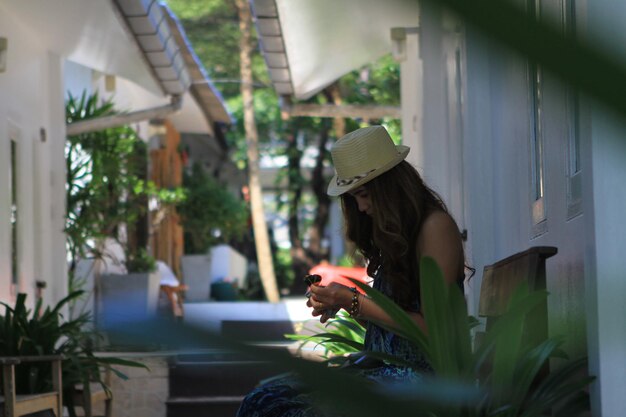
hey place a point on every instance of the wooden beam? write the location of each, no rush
(105, 122)
(345, 110)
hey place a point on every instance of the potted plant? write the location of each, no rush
(46, 332)
(107, 209)
(132, 296)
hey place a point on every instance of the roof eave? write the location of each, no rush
(147, 25)
(202, 89)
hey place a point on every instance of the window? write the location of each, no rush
(574, 186)
(14, 212)
(537, 185)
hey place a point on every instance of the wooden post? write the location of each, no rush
(367, 112)
(57, 386)
(261, 235)
(8, 379)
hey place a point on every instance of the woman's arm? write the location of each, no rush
(336, 296)
(440, 239)
(369, 310)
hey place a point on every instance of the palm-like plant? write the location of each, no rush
(339, 337)
(101, 171)
(46, 332)
(106, 186)
(496, 379)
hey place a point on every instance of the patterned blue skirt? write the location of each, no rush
(286, 397)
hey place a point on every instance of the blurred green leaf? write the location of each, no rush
(590, 67)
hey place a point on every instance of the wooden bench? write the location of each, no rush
(15, 405)
(86, 396)
(501, 279)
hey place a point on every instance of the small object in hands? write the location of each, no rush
(311, 280)
(315, 279)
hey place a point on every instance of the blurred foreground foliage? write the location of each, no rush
(498, 378)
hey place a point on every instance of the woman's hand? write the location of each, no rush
(326, 301)
(320, 310)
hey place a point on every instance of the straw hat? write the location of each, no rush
(361, 156)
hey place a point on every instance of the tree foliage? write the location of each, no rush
(303, 142)
(102, 177)
(212, 28)
(210, 213)
(106, 185)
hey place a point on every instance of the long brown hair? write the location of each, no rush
(400, 203)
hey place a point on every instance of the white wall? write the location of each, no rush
(497, 132)
(433, 161)
(335, 233)
(605, 262)
(126, 96)
(586, 278)
(480, 162)
(77, 79)
(27, 90)
(605, 199)
(478, 152)
(409, 57)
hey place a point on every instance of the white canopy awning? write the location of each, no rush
(138, 41)
(90, 33)
(309, 44)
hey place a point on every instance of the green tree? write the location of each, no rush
(210, 213)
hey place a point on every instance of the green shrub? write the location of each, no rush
(141, 261)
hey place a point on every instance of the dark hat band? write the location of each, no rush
(352, 180)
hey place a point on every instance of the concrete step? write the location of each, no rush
(225, 406)
(257, 331)
(219, 379)
(213, 383)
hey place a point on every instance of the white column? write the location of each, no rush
(604, 199)
(56, 276)
(335, 232)
(406, 51)
(5, 213)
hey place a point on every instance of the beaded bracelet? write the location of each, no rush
(354, 306)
